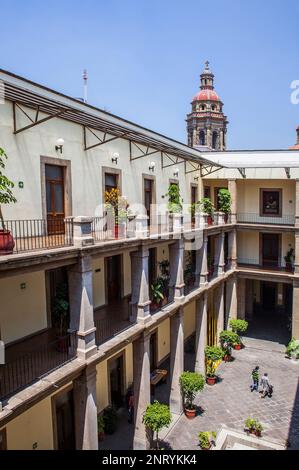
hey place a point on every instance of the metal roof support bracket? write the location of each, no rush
(101, 141)
(143, 153)
(288, 172)
(166, 158)
(33, 122)
(206, 170)
(242, 172)
(194, 167)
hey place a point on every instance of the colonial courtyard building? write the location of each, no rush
(78, 315)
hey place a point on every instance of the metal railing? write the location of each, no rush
(108, 327)
(40, 234)
(255, 218)
(24, 370)
(255, 263)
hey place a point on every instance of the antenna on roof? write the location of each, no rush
(85, 79)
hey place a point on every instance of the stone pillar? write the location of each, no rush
(201, 270)
(141, 226)
(82, 231)
(241, 298)
(85, 410)
(176, 359)
(232, 187)
(142, 390)
(295, 312)
(176, 261)
(81, 306)
(232, 249)
(140, 303)
(219, 307)
(219, 263)
(201, 333)
(231, 299)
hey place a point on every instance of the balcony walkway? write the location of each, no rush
(112, 319)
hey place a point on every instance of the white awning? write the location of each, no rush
(241, 159)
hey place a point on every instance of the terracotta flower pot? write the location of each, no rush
(210, 220)
(190, 413)
(206, 448)
(237, 347)
(6, 242)
(116, 232)
(211, 380)
(227, 358)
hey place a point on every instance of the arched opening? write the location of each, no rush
(202, 138)
(214, 140)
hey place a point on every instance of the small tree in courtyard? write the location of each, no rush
(191, 383)
(238, 326)
(156, 417)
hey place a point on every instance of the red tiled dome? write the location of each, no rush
(206, 95)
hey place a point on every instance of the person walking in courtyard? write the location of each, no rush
(267, 388)
(255, 376)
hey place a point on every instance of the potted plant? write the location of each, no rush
(174, 199)
(61, 316)
(116, 207)
(253, 426)
(191, 383)
(206, 439)
(156, 417)
(101, 427)
(213, 355)
(157, 293)
(289, 259)
(228, 339)
(292, 350)
(110, 420)
(239, 327)
(224, 203)
(208, 209)
(189, 277)
(6, 197)
(164, 278)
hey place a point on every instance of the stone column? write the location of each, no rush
(176, 261)
(176, 360)
(241, 298)
(81, 306)
(296, 262)
(201, 333)
(82, 231)
(232, 249)
(142, 390)
(201, 273)
(219, 263)
(219, 304)
(85, 410)
(232, 187)
(231, 299)
(140, 302)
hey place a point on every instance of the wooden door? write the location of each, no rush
(55, 199)
(65, 421)
(148, 198)
(270, 249)
(193, 201)
(153, 352)
(113, 278)
(116, 374)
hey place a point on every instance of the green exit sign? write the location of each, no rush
(21, 184)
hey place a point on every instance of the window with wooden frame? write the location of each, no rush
(207, 192)
(270, 202)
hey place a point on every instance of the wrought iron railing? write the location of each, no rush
(256, 263)
(108, 327)
(255, 218)
(26, 369)
(40, 234)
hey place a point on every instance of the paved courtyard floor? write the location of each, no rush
(230, 402)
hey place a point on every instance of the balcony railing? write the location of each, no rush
(108, 327)
(40, 234)
(255, 218)
(27, 368)
(255, 263)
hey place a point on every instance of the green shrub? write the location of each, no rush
(238, 326)
(253, 425)
(228, 339)
(191, 383)
(224, 201)
(206, 206)
(206, 439)
(156, 417)
(292, 349)
(110, 419)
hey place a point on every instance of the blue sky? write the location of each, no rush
(144, 58)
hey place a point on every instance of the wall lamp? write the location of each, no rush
(59, 145)
(152, 166)
(115, 158)
(176, 173)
